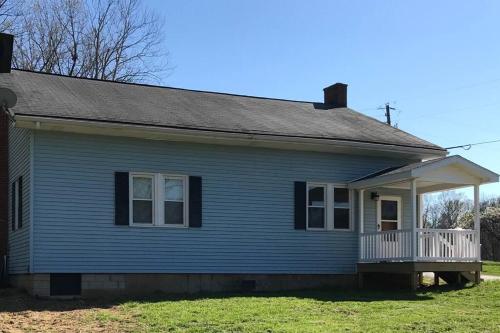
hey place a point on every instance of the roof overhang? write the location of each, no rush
(84, 126)
(431, 176)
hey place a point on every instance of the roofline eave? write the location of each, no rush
(84, 126)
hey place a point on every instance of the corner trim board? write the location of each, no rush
(32, 201)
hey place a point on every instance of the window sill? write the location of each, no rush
(159, 226)
(330, 230)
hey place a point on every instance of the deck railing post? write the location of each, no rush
(414, 235)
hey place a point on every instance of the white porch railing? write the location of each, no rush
(432, 245)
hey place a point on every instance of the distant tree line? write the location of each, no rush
(450, 210)
(119, 40)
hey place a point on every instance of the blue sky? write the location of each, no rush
(437, 62)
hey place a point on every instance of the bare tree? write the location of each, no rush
(451, 210)
(117, 40)
(447, 210)
(9, 11)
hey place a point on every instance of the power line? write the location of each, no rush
(451, 90)
(454, 110)
(469, 146)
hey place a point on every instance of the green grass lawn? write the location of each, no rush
(491, 267)
(472, 309)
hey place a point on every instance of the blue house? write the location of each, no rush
(118, 188)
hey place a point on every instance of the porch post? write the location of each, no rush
(361, 220)
(413, 194)
(477, 221)
(420, 211)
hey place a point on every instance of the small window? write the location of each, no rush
(174, 206)
(17, 204)
(316, 216)
(341, 209)
(142, 199)
(389, 213)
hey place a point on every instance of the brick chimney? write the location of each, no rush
(336, 95)
(6, 44)
(4, 188)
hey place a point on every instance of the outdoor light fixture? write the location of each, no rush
(375, 196)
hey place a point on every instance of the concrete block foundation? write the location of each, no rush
(128, 284)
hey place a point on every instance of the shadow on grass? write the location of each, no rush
(15, 301)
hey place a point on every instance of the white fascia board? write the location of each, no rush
(223, 138)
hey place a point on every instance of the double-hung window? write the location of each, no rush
(174, 203)
(341, 208)
(158, 200)
(316, 212)
(328, 207)
(143, 188)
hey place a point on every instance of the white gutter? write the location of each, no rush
(219, 137)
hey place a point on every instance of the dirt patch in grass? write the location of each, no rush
(20, 312)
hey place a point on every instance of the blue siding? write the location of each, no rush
(248, 222)
(19, 165)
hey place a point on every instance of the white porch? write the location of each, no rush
(432, 245)
(411, 242)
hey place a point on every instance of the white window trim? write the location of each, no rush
(329, 207)
(158, 200)
(379, 210)
(16, 205)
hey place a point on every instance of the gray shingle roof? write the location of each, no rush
(65, 97)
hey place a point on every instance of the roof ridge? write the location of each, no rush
(167, 87)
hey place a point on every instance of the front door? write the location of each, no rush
(389, 218)
(389, 213)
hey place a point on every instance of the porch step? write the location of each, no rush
(470, 277)
(456, 277)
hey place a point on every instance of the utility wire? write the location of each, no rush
(469, 146)
(451, 90)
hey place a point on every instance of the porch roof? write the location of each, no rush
(434, 175)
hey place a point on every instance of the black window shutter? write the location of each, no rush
(300, 205)
(20, 203)
(13, 203)
(121, 198)
(195, 204)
